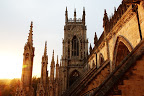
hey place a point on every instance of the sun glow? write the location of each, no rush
(11, 66)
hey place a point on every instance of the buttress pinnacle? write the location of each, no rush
(45, 51)
(53, 62)
(57, 59)
(53, 56)
(30, 39)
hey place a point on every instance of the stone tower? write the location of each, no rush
(26, 78)
(75, 48)
(52, 81)
(42, 89)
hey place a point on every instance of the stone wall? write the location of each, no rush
(126, 27)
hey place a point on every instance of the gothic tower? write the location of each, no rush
(52, 81)
(42, 89)
(75, 48)
(26, 78)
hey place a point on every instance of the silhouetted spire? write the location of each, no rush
(90, 49)
(57, 70)
(45, 50)
(83, 17)
(114, 10)
(30, 34)
(66, 15)
(57, 59)
(95, 39)
(52, 68)
(53, 56)
(83, 9)
(75, 14)
(105, 19)
(66, 8)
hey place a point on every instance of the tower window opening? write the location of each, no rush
(75, 46)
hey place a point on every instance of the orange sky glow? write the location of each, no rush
(48, 23)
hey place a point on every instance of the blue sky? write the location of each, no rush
(48, 18)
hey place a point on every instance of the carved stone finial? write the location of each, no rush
(105, 18)
(90, 49)
(95, 39)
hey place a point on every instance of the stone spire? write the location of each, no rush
(52, 68)
(114, 9)
(75, 14)
(66, 16)
(44, 72)
(42, 87)
(90, 49)
(83, 17)
(27, 68)
(57, 69)
(95, 39)
(53, 57)
(30, 39)
(57, 59)
(45, 50)
(105, 18)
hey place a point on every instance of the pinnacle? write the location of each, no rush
(57, 59)
(83, 8)
(53, 62)
(45, 51)
(95, 35)
(90, 47)
(66, 8)
(30, 34)
(75, 10)
(105, 13)
(114, 9)
(53, 56)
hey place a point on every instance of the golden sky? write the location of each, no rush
(48, 18)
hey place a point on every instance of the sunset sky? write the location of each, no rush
(48, 18)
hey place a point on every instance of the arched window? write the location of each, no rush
(75, 46)
(27, 55)
(121, 50)
(101, 59)
(73, 77)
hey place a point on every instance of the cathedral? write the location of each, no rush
(113, 67)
